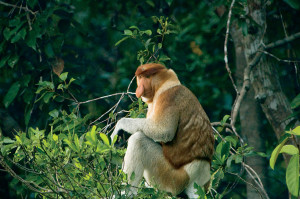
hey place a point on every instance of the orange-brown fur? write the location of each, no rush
(172, 147)
(193, 139)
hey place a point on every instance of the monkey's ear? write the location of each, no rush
(140, 89)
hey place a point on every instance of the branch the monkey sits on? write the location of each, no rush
(173, 146)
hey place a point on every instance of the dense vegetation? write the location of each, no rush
(66, 69)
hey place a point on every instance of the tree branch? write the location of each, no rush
(283, 41)
(247, 71)
(20, 7)
(225, 47)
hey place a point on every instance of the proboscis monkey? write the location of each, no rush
(173, 146)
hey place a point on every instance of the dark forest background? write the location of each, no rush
(56, 55)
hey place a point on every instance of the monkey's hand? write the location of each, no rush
(118, 129)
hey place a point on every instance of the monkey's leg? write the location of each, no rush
(133, 161)
(199, 172)
(145, 157)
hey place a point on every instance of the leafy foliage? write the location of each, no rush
(55, 55)
(292, 171)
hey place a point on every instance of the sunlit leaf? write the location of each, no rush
(296, 102)
(128, 32)
(295, 131)
(104, 138)
(289, 149)
(63, 76)
(293, 3)
(292, 175)
(276, 152)
(120, 41)
(55, 137)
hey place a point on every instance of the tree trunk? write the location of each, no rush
(265, 82)
(264, 76)
(250, 114)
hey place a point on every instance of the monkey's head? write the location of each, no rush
(149, 79)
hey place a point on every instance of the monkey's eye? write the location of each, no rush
(147, 76)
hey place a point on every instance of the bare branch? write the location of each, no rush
(107, 96)
(20, 7)
(225, 47)
(278, 59)
(282, 41)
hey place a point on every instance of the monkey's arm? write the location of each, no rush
(162, 129)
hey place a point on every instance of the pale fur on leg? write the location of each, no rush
(199, 172)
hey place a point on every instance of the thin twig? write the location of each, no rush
(247, 71)
(239, 177)
(283, 41)
(107, 96)
(225, 47)
(248, 169)
(278, 59)
(129, 87)
(20, 7)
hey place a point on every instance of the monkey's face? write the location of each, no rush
(144, 87)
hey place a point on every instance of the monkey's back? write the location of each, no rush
(194, 138)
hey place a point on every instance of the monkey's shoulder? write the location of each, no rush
(178, 96)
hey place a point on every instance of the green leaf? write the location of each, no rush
(229, 160)
(293, 3)
(48, 96)
(159, 45)
(142, 60)
(6, 33)
(164, 58)
(11, 94)
(114, 139)
(276, 152)
(54, 113)
(244, 26)
(292, 175)
(19, 35)
(148, 32)
(27, 114)
(134, 27)
(128, 32)
(200, 191)
(225, 150)
(13, 60)
(7, 140)
(49, 50)
(76, 141)
(147, 43)
(289, 149)
(104, 138)
(71, 80)
(150, 3)
(295, 131)
(71, 145)
(120, 41)
(31, 39)
(3, 60)
(93, 134)
(63, 76)
(55, 137)
(224, 120)
(296, 102)
(232, 140)
(14, 22)
(7, 148)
